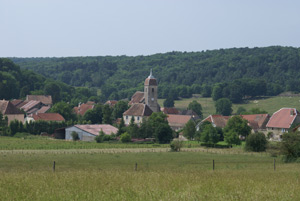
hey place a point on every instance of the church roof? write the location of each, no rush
(138, 109)
(138, 97)
(150, 80)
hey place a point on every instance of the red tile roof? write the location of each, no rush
(257, 121)
(138, 109)
(45, 99)
(96, 128)
(83, 108)
(176, 119)
(169, 110)
(48, 117)
(6, 107)
(138, 97)
(111, 102)
(283, 118)
(218, 120)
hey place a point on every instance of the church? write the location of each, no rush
(143, 104)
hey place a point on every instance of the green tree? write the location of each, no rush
(290, 146)
(216, 92)
(54, 90)
(119, 109)
(232, 137)
(241, 110)
(107, 114)
(223, 106)
(133, 129)
(125, 137)
(206, 90)
(75, 136)
(238, 125)
(210, 134)
(189, 130)
(256, 142)
(64, 109)
(161, 130)
(121, 127)
(196, 107)
(94, 115)
(169, 102)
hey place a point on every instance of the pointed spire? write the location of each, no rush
(151, 76)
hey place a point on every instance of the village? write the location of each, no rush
(141, 106)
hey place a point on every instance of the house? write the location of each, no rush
(169, 110)
(191, 113)
(111, 103)
(216, 120)
(10, 111)
(89, 132)
(45, 117)
(138, 111)
(143, 103)
(32, 107)
(257, 122)
(281, 121)
(177, 122)
(44, 99)
(83, 108)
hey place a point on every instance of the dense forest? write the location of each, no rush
(17, 83)
(235, 73)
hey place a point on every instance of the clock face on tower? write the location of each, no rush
(152, 99)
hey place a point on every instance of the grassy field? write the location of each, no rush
(271, 104)
(159, 176)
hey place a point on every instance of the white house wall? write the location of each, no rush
(83, 135)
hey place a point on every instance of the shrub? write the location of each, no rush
(21, 135)
(75, 136)
(125, 137)
(290, 146)
(176, 145)
(256, 142)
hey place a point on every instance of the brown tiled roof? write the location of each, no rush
(19, 103)
(111, 102)
(45, 99)
(48, 117)
(81, 110)
(96, 128)
(138, 97)
(6, 107)
(260, 119)
(151, 81)
(170, 110)
(218, 120)
(176, 119)
(30, 105)
(188, 112)
(44, 109)
(138, 109)
(283, 118)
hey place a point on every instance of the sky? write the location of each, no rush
(61, 28)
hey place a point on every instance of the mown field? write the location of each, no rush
(270, 104)
(159, 176)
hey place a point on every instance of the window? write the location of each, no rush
(138, 118)
(126, 117)
(152, 89)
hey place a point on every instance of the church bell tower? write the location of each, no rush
(150, 93)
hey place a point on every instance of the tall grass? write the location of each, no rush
(160, 176)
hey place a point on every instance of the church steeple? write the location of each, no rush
(150, 93)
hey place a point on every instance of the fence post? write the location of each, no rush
(135, 167)
(213, 164)
(274, 164)
(53, 166)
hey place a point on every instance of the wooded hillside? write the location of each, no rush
(275, 69)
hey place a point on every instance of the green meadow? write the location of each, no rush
(269, 104)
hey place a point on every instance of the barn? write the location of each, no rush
(88, 132)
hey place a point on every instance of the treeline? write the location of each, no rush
(182, 73)
(17, 83)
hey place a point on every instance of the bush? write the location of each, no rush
(215, 145)
(256, 142)
(176, 145)
(21, 135)
(125, 137)
(290, 146)
(75, 136)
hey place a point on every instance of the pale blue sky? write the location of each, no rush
(47, 28)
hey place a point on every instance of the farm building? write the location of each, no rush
(10, 111)
(89, 132)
